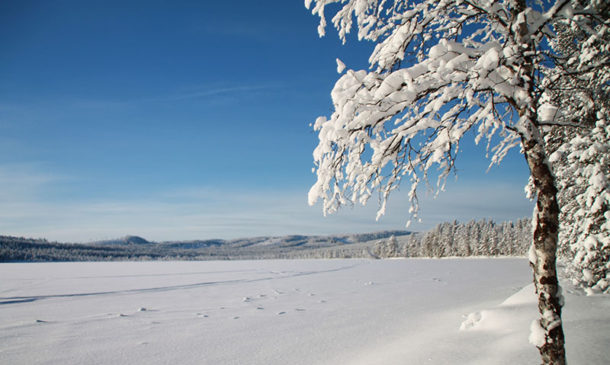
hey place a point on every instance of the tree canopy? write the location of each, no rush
(442, 68)
(439, 70)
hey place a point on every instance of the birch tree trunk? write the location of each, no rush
(543, 254)
(545, 222)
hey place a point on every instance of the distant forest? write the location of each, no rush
(475, 238)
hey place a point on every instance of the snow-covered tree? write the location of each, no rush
(439, 69)
(507, 239)
(585, 200)
(410, 248)
(582, 166)
(392, 247)
(462, 243)
(581, 155)
(386, 248)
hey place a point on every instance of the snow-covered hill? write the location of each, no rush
(15, 249)
(127, 240)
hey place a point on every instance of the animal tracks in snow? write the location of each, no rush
(275, 302)
(268, 296)
(279, 303)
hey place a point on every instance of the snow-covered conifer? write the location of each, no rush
(392, 247)
(581, 155)
(462, 243)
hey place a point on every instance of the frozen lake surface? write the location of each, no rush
(403, 311)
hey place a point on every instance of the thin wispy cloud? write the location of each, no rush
(213, 212)
(75, 103)
(245, 31)
(25, 181)
(209, 92)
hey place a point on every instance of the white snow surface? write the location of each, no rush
(399, 311)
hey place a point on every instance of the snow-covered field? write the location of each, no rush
(403, 311)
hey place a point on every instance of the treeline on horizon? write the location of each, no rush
(474, 238)
(454, 239)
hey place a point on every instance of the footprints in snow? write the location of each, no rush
(438, 280)
(259, 303)
(262, 302)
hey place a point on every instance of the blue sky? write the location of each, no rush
(186, 120)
